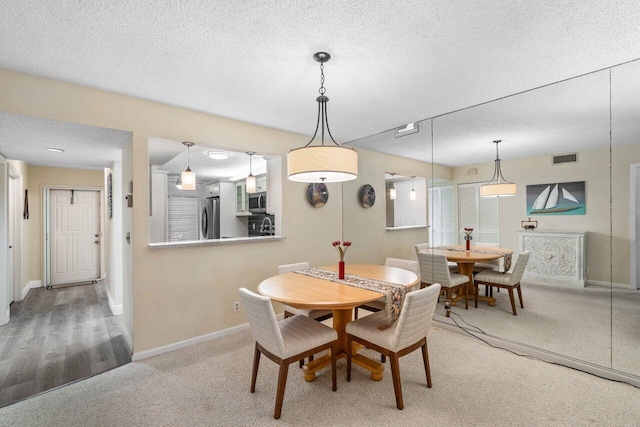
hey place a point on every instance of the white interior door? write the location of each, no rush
(75, 236)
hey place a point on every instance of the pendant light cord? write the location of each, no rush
(322, 112)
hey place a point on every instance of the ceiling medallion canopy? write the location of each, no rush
(498, 186)
(322, 163)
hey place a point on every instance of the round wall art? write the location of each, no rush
(367, 196)
(318, 194)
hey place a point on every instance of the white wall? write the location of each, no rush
(158, 217)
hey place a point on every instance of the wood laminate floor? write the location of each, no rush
(58, 336)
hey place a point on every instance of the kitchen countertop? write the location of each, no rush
(214, 242)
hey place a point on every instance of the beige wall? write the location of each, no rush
(181, 293)
(593, 168)
(39, 177)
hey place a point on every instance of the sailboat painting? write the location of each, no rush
(562, 198)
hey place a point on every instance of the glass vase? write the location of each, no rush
(468, 242)
(340, 270)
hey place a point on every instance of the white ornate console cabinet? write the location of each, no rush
(556, 256)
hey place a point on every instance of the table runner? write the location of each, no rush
(506, 253)
(393, 293)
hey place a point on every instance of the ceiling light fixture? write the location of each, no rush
(218, 155)
(55, 150)
(498, 186)
(322, 163)
(412, 193)
(250, 182)
(187, 179)
(407, 129)
(392, 191)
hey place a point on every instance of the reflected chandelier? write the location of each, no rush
(498, 186)
(322, 163)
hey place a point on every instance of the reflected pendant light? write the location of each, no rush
(412, 193)
(179, 182)
(188, 178)
(250, 182)
(392, 191)
(498, 186)
(322, 163)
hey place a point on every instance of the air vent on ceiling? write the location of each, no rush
(565, 158)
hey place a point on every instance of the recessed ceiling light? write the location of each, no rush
(55, 150)
(218, 155)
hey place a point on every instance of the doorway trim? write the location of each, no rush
(634, 199)
(46, 224)
(16, 205)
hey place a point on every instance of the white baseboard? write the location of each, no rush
(607, 284)
(31, 285)
(116, 309)
(547, 356)
(192, 341)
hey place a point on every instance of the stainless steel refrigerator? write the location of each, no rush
(210, 220)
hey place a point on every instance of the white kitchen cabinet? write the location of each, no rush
(212, 190)
(242, 199)
(261, 183)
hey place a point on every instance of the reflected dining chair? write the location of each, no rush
(509, 281)
(286, 341)
(379, 304)
(435, 269)
(407, 334)
(453, 267)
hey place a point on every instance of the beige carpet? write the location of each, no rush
(574, 322)
(208, 385)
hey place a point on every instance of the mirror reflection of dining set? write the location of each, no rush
(401, 298)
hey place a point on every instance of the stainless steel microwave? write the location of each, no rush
(258, 202)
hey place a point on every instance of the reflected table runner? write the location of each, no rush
(506, 253)
(393, 293)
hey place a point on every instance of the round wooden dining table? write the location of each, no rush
(306, 292)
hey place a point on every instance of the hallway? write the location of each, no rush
(56, 337)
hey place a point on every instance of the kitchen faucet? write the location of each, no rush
(269, 228)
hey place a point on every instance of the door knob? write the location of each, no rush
(95, 235)
(96, 242)
(10, 247)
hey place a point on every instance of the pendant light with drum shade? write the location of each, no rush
(498, 186)
(250, 181)
(322, 163)
(187, 179)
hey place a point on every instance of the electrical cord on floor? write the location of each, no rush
(528, 356)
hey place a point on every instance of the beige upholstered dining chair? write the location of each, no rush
(379, 304)
(453, 267)
(434, 269)
(505, 280)
(286, 341)
(407, 334)
(289, 311)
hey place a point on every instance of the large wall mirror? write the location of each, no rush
(580, 302)
(222, 205)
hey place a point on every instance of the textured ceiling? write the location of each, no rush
(86, 147)
(172, 156)
(393, 62)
